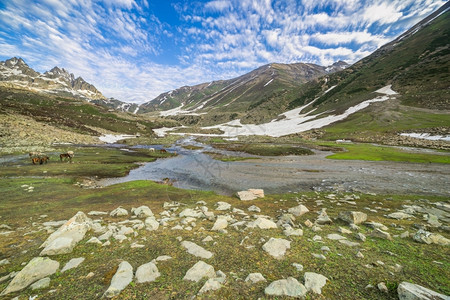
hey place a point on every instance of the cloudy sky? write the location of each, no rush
(134, 50)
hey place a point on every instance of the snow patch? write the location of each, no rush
(269, 82)
(111, 138)
(427, 136)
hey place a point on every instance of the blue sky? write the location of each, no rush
(134, 50)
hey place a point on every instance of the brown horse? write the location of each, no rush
(66, 157)
(163, 151)
(36, 160)
(43, 159)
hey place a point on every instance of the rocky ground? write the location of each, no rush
(318, 246)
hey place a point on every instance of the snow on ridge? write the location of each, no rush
(427, 136)
(269, 82)
(294, 122)
(112, 138)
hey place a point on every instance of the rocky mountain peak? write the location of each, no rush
(56, 72)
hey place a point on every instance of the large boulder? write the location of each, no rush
(250, 194)
(119, 212)
(120, 280)
(262, 223)
(410, 291)
(67, 236)
(36, 269)
(286, 287)
(315, 282)
(426, 237)
(353, 217)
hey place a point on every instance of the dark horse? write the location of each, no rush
(66, 156)
(163, 151)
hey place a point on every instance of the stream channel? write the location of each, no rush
(193, 169)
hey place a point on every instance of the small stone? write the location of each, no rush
(199, 271)
(319, 256)
(298, 210)
(147, 273)
(262, 223)
(41, 284)
(120, 280)
(344, 230)
(207, 239)
(196, 250)
(277, 247)
(349, 243)
(399, 216)
(359, 255)
(308, 223)
(291, 231)
(223, 206)
(119, 212)
(221, 223)
(298, 267)
(254, 208)
(426, 237)
(353, 217)
(94, 240)
(212, 284)
(325, 249)
(361, 237)
(378, 233)
(73, 263)
(337, 237)
(4, 262)
(382, 287)
(151, 224)
(142, 211)
(404, 235)
(315, 282)
(255, 277)
(286, 287)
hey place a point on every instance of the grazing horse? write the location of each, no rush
(34, 154)
(43, 159)
(151, 149)
(36, 160)
(163, 151)
(66, 156)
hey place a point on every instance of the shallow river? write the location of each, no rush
(192, 169)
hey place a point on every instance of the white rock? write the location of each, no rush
(298, 210)
(188, 212)
(223, 206)
(94, 240)
(151, 224)
(336, 237)
(41, 284)
(378, 233)
(349, 243)
(199, 271)
(4, 262)
(97, 213)
(291, 231)
(286, 287)
(221, 223)
(255, 277)
(426, 237)
(246, 196)
(147, 273)
(207, 239)
(262, 223)
(277, 247)
(119, 212)
(67, 236)
(410, 291)
(212, 284)
(298, 267)
(254, 208)
(105, 236)
(315, 282)
(259, 193)
(73, 263)
(142, 211)
(120, 280)
(353, 217)
(196, 250)
(37, 268)
(399, 216)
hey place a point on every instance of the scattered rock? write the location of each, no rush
(246, 196)
(426, 237)
(277, 247)
(291, 231)
(97, 213)
(382, 287)
(410, 291)
(319, 256)
(189, 212)
(323, 218)
(298, 210)
(119, 212)
(286, 287)
(221, 223)
(254, 208)
(399, 216)
(361, 236)
(73, 263)
(315, 282)
(142, 211)
(298, 267)
(262, 223)
(41, 284)
(196, 250)
(376, 225)
(147, 273)
(353, 217)
(199, 271)
(255, 277)
(4, 262)
(378, 233)
(120, 280)
(94, 240)
(67, 236)
(223, 206)
(212, 284)
(349, 243)
(335, 236)
(37, 268)
(151, 224)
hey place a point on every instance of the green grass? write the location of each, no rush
(265, 149)
(360, 151)
(227, 158)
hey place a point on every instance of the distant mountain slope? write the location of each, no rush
(15, 73)
(228, 99)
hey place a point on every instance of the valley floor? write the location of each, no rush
(365, 261)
